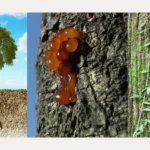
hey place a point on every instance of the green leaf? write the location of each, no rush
(144, 71)
(134, 134)
(8, 48)
(146, 45)
(143, 24)
(147, 103)
(147, 120)
(136, 96)
(141, 128)
(148, 90)
(138, 131)
(148, 55)
(143, 30)
(147, 109)
(144, 89)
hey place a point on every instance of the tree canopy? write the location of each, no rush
(8, 48)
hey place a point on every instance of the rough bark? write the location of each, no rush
(13, 113)
(102, 81)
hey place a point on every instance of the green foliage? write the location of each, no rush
(146, 45)
(147, 109)
(143, 24)
(144, 71)
(147, 103)
(142, 31)
(141, 131)
(148, 55)
(8, 48)
(148, 90)
(139, 75)
(138, 131)
(136, 96)
(147, 121)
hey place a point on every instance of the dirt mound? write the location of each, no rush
(13, 113)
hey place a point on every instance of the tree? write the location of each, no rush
(8, 48)
(102, 81)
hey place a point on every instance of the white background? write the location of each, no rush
(74, 144)
(75, 5)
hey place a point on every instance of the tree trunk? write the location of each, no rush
(138, 37)
(102, 81)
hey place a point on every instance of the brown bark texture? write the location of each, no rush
(102, 81)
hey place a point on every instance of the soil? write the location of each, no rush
(13, 113)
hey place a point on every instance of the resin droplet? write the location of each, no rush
(64, 68)
(62, 97)
(72, 33)
(62, 54)
(53, 62)
(61, 36)
(72, 45)
(54, 44)
(47, 54)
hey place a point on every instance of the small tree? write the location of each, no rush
(8, 48)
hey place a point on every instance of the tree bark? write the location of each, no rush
(102, 81)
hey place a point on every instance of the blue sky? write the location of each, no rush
(34, 22)
(15, 77)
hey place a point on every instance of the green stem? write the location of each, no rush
(141, 109)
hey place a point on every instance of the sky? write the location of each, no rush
(15, 77)
(34, 22)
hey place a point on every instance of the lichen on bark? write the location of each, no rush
(138, 37)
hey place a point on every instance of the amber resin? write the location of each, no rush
(64, 68)
(47, 54)
(62, 97)
(61, 48)
(54, 44)
(62, 54)
(72, 45)
(53, 62)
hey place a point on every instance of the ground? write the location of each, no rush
(13, 113)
